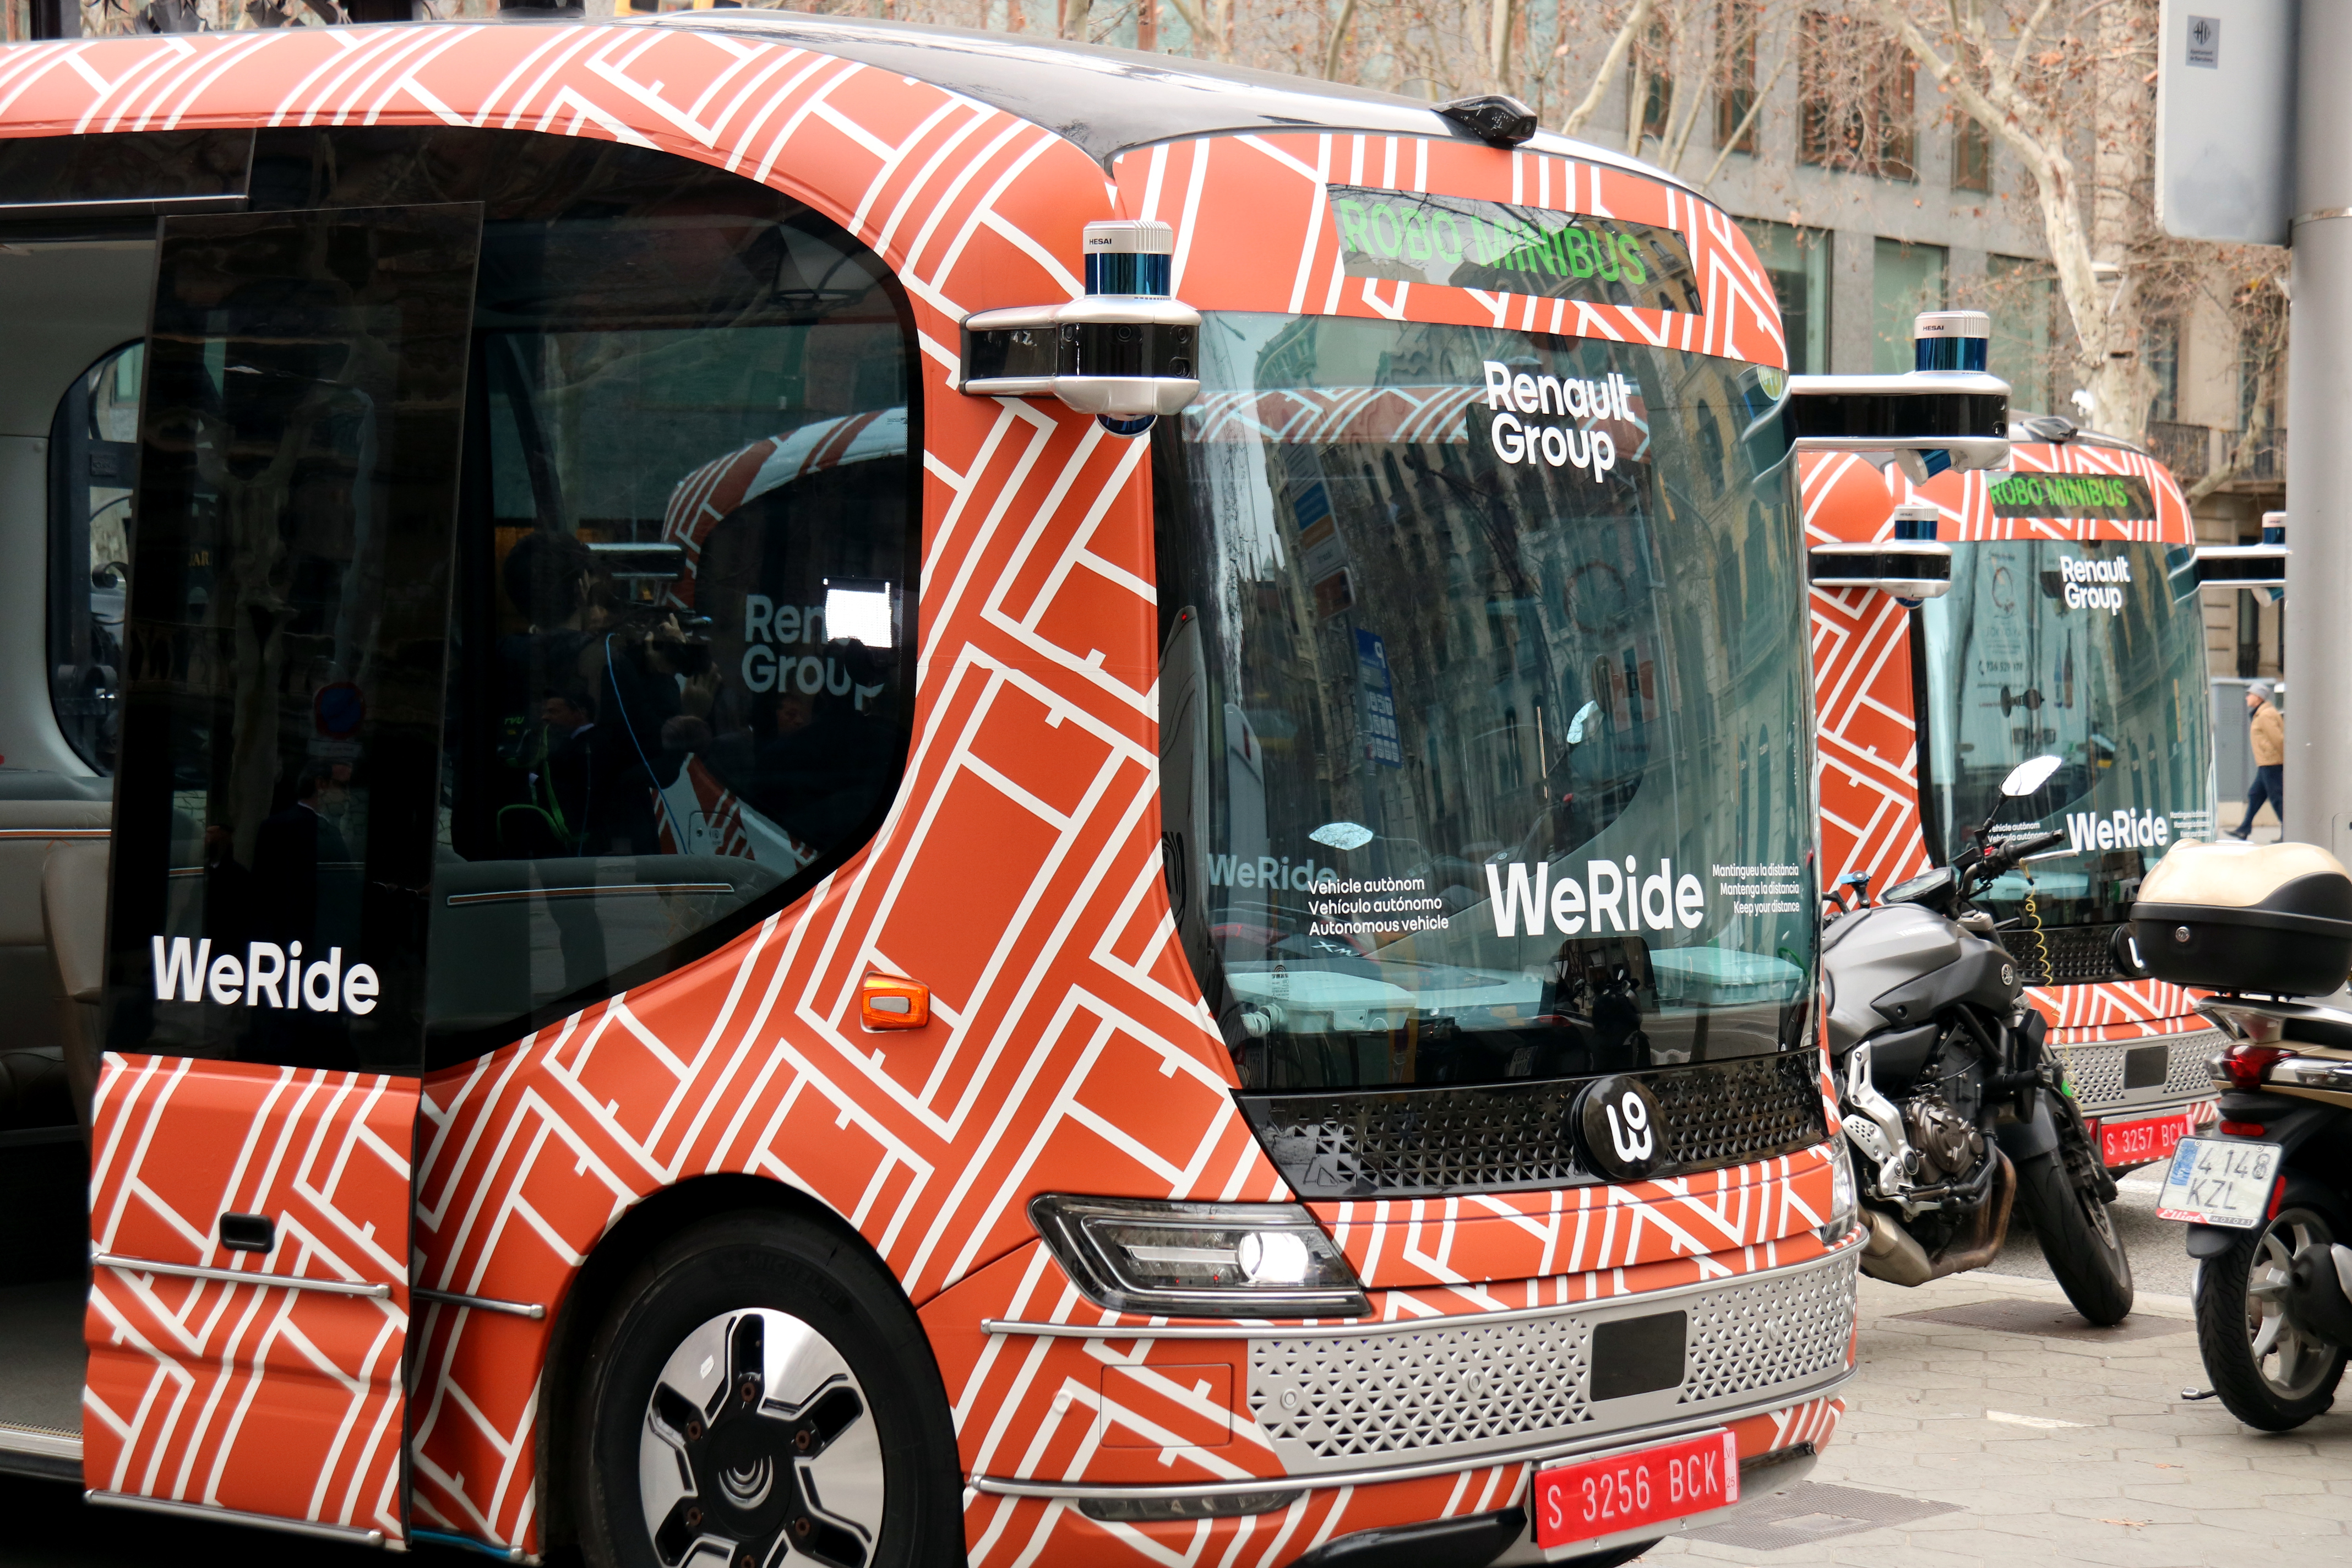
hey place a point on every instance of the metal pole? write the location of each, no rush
(2318, 663)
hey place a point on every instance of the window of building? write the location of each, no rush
(2022, 297)
(1856, 82)
(1905, 281)
(1797, 262)
(2164, 364)
(1738, 24)
(1971, 154)
(1652, 76)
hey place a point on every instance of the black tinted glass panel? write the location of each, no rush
(1485, 741)
(93, 461)
(288, 635)
(124, 171)
(684, 552)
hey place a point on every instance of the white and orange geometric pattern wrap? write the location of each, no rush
(1018, 873)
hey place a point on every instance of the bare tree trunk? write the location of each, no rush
(1983, 80)
(1611, 64)
(2122, 128)
(1332, 49)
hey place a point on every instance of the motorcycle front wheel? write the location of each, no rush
(2269, 1375)
(2078, 1238)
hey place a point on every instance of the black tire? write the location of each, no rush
(2078, 1238)
(2292, 1379)
(744, 1269)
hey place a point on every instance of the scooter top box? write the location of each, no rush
(2269, 917)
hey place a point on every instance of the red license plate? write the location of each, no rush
(2137, 1142)
(1593, 1498)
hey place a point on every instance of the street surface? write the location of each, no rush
(2048, 1442)
(2033, 1445)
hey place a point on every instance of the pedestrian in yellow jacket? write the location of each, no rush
(2266, 731)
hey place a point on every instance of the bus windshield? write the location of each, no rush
(2080, 651)
(1486, 739)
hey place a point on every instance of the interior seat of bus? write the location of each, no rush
(676, 628)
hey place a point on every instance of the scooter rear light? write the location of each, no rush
(2244, 1065)
(2242, 1128)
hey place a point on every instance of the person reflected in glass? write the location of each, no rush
(304, 909)
(820, 768)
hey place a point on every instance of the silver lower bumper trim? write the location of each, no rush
(1555, 1449)
(41, 1440)
(348, 1533)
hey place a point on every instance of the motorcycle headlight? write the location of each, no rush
(1844, 1204)
(1200, 1260)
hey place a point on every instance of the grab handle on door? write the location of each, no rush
(248, 1232)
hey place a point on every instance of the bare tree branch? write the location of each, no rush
(1611, 64)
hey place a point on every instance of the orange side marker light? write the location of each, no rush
(893, 1002)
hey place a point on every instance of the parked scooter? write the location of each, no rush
(2269, 1200)
(1953, 1103)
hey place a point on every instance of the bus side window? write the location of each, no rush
(684, 590)
(94, 444)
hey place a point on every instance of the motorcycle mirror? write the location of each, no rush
(2123, 951)
(2029, 776)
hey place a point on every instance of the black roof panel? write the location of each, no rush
(1108, 100)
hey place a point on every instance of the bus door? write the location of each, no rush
(277, 823)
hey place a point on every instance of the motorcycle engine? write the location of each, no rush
(1948, 1145)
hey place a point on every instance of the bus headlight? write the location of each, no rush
(1199, 1260)
(1843, 1202)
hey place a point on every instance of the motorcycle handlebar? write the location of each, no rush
(2000, 857)
(2026, 848)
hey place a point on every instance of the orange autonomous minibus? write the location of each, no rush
(2072, 628)
(777, 789)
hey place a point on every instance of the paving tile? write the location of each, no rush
(2141, 1481)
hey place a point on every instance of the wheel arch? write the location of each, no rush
(596, 1286)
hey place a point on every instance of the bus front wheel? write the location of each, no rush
(761, 1390)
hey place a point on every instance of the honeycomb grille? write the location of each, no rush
(1759, 1334)
(1500, 1137)
(1459, 1388)
(2096, 1071)
(1370, 1397)
(2078, 954)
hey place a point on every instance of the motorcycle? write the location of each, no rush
(1955, 1107)
(2269, 1198)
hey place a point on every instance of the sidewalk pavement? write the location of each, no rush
(2058, 1445)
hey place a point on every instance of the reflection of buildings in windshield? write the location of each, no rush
(1415, 665)
(2077, 650)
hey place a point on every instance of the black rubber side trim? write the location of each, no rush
(41, 1467)
(1471, 1541)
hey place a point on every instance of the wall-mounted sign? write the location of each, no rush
(2117, 497)
(1459, 243)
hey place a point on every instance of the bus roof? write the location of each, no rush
(1108, 100)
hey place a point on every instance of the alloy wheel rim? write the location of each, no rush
(759, 1449)
(2291, 1366)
